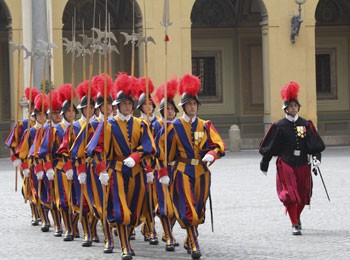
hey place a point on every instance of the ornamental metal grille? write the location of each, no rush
(205, 68)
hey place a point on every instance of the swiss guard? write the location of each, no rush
(53, 163)
(32, 166)
(118, 148)
(14, 139)
(164, 203)
(295, 142)
(193, 144)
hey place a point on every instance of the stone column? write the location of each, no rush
(39, 32)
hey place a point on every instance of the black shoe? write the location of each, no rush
(57, 234)
(196, 254)
(35, 222)
(108, 250)
(299, 224)
(153, 241)
(45, 228)
(96, 239)
(132, 252)
(295, 230)
(68, 238)
(170, 248)
(77, 235)
(127, 256)
(86, 243)
(176, 243)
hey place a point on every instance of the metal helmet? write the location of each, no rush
(286, 103)
(100, 100)
(142, 100)
(66, 105)
(186, 97)
(84, 101)
(170, 101)
(122, 97)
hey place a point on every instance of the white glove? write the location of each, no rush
(130, 162)
(40, 175)
(150, 177)
(26, 173)
(50, 173)
(208, 158)
(265, 173)
(164, 180)
(104, 178)
(316, 162)
(82, 178)
(17, 163)
(69, 174)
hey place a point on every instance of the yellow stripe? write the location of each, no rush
(122, 197)
(188, 195)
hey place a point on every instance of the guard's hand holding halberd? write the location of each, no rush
(40, 175)
(82, 178)
(50, 173)
(208, 158)
(25, 172)
(130, 162)
(150, 177)
(17, 163)
(104, 178)
(69, 174)
(165, 180)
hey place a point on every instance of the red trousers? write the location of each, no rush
(294, 187)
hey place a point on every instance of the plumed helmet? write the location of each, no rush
(35, 92)
(172, 86)
(41, 101)
(189, 87)
(65, 96)
(127, 87)
(56, 103)
(82, 92)
(141, 95)
(98, 82)
(289, 93)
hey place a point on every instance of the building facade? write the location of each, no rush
(241, 49)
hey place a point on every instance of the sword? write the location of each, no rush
(211, 212)
(315, 170)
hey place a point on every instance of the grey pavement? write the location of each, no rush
(249, 220)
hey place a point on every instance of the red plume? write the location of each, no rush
(56, 103)
(35, 92)
(38, 102)
(143, 87)
(128, 84)
(290, 91)
(171, 90)
(159, 94)
(65, 92)
(82, 90)
(189, 84)
(98, 82)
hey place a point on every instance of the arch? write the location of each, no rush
(332, 37)
(5, 37)
(229, 61)
(121, 20)
(5, 82)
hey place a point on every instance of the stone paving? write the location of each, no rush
(249, 221)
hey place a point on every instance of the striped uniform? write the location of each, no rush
(187, 143)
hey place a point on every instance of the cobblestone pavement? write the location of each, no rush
(249, 221)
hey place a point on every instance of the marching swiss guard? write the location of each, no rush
(118, 148)
(13, 140)
(193, 144)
